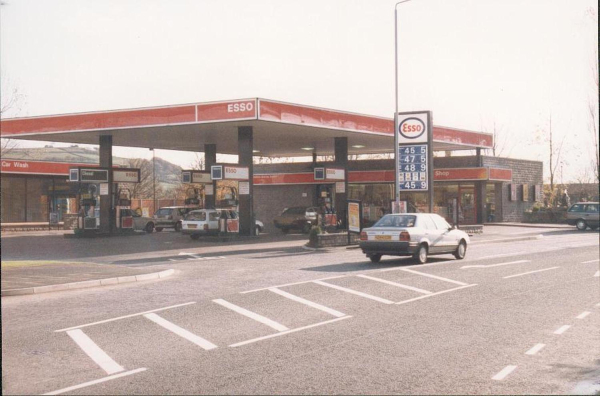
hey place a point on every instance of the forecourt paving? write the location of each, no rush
(259, 323)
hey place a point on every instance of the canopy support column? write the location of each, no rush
(210, 159)
(341, 161)
(246, 201)
(107, 215)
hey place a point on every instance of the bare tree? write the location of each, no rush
(503, 144)
(593, 102)
(554, 159)
(145, 188)
(12, 102)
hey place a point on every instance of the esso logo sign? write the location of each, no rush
(240, 107)
(411, 128)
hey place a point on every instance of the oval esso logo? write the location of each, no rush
(411, 128)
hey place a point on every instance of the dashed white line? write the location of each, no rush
(434, 277)
(292, 284)
(288, 332)
(252, 315)
(94, 382)
(387, 282)
(495, 265)
(125, 317)
(95, 352)
(501, 255)
(530, 272)
(591, 261)
(583, 315)
(355, 292)
(597, 274)
(536, 348)
(562, 329)
(307, 302)
(505, 371)
(201, 342)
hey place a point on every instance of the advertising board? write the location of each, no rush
(235, 172)
(354, 216)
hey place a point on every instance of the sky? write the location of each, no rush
(508, 65)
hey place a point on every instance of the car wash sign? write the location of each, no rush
(414, 137)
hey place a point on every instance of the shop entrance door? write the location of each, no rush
(467, 211)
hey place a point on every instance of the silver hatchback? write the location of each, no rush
(413, 234)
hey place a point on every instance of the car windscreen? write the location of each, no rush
(396, 221)
(163, 212)
(196, 216)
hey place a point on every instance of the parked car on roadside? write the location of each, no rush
(300, 218)
(206, 222)
(413, 234)
(140, 223)
(583, 215)
(171, 217)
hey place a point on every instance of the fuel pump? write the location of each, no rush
(229, 197)
(88, 218)
(326, 201)
(193, 197)
(124, 218)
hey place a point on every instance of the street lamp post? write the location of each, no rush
(396, 184)
(153, 179)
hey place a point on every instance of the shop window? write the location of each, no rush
(37, 199)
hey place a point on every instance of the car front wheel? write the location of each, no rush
(421, 254)
(461, 250)
(149, 228)
(581, 226)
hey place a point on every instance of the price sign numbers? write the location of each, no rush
(413, 167)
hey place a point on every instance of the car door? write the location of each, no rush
(592, 216)
(448, 240)
(430, 232)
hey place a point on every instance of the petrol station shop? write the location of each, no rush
(486, 188)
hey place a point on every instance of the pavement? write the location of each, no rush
(41, 276)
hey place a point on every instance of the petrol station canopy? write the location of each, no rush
(280, 129)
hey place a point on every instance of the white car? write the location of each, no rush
(206, 221)
(413, 234)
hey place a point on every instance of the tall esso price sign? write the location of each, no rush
(414, 153)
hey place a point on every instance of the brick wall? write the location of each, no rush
(523, 172)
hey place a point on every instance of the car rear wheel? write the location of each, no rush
(177, 227)
(375, 258)
(581, 226)
(461, 250)
(158, 229)
(594, 228)
(421, 254)
(149, 228)
(195, 237)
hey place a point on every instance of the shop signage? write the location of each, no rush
(235, 172)
(208, 189)
(73, 175)
(87, 175)
(413, 128)
(103, 188)
(525, 196)
(335, 174)
(244, 188)
(354, 217)
(186, 177)
(538, 192)
(201, 177)
(340, 187)
(460, 174)
(319, 174)
(512, 192)
(216, 172)
(126, 175)
(224, 111)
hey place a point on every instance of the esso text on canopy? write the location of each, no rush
(239, 107)
(411, 128)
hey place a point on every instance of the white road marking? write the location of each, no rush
(387, 282)
(288, 332)
(530, 272)
(251, 315)
(434, 277)
(583, 315)
(292, 284)
(124, 317)
(505, 371)
(495, 265)
(562, 329)
(201, 342)
(94, 352)
(591, 261)
(597, 274)
(355, 292)
(501, 255)
(189, 254)
(172, 260)
(536, 348)
(307, 302)
(434, 294)
(94, 382)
